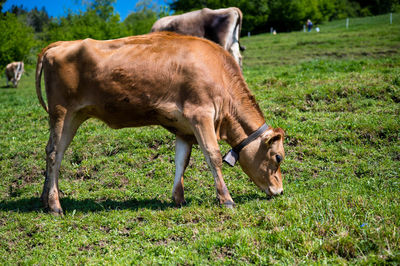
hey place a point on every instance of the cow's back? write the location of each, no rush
(11, 68)
(149, 77)
(191, 23)
(9, 72)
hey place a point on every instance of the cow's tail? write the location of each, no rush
(39, 68)
(239, 22)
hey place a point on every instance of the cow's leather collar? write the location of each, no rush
(233, 155)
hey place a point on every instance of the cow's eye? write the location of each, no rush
(279, 159)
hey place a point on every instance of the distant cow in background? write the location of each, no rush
(14, 72)
(222, 26)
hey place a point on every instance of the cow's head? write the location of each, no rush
(234, 50)
(261, 160)
(18, 73)
(14, 82)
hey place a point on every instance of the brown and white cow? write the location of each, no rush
(14, 72)
(158, 79)
(221, 26)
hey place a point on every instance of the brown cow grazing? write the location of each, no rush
(158, 79)
(221, 26)
(14, 72)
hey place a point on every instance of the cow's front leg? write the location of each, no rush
(182, 156)
(207, 139)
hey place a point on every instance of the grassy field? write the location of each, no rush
(336, 94)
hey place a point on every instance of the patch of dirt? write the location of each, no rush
(302, 43)
(156, 143)
(112, 152)
(28, 176)
(86, 248)
(83, 174)
(396, 98)
(124, 181)
(331, 54)
(105, 229)
(343, 247)
(150, 174)
(380, 53)
(125, 232)
(224, 252)
(154, 157)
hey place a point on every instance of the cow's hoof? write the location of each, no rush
(180, 204)
(229, 204)
(56, 212)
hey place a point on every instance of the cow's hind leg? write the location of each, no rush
(63, 127)
(182, 156)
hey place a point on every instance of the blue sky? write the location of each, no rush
(57, 8)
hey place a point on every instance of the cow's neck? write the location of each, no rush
(242, 115)
(239, 124)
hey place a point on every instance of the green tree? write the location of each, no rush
(293, 14)
(17, 39)
(37, 19)
(98, 22)
(181, 6)
(255, 15)
(376, 7)
(344, 9)
(18, 10)
(103, 8)
(142, 19)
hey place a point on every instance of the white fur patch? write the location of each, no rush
(182, 150)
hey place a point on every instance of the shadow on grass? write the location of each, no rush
(241, 199)
(21, 205)
(86, 205)
(91, 205)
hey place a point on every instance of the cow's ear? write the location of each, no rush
(274, 135)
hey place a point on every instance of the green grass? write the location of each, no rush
(335, 93)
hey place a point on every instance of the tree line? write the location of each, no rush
(289, 15)
(24, 32)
